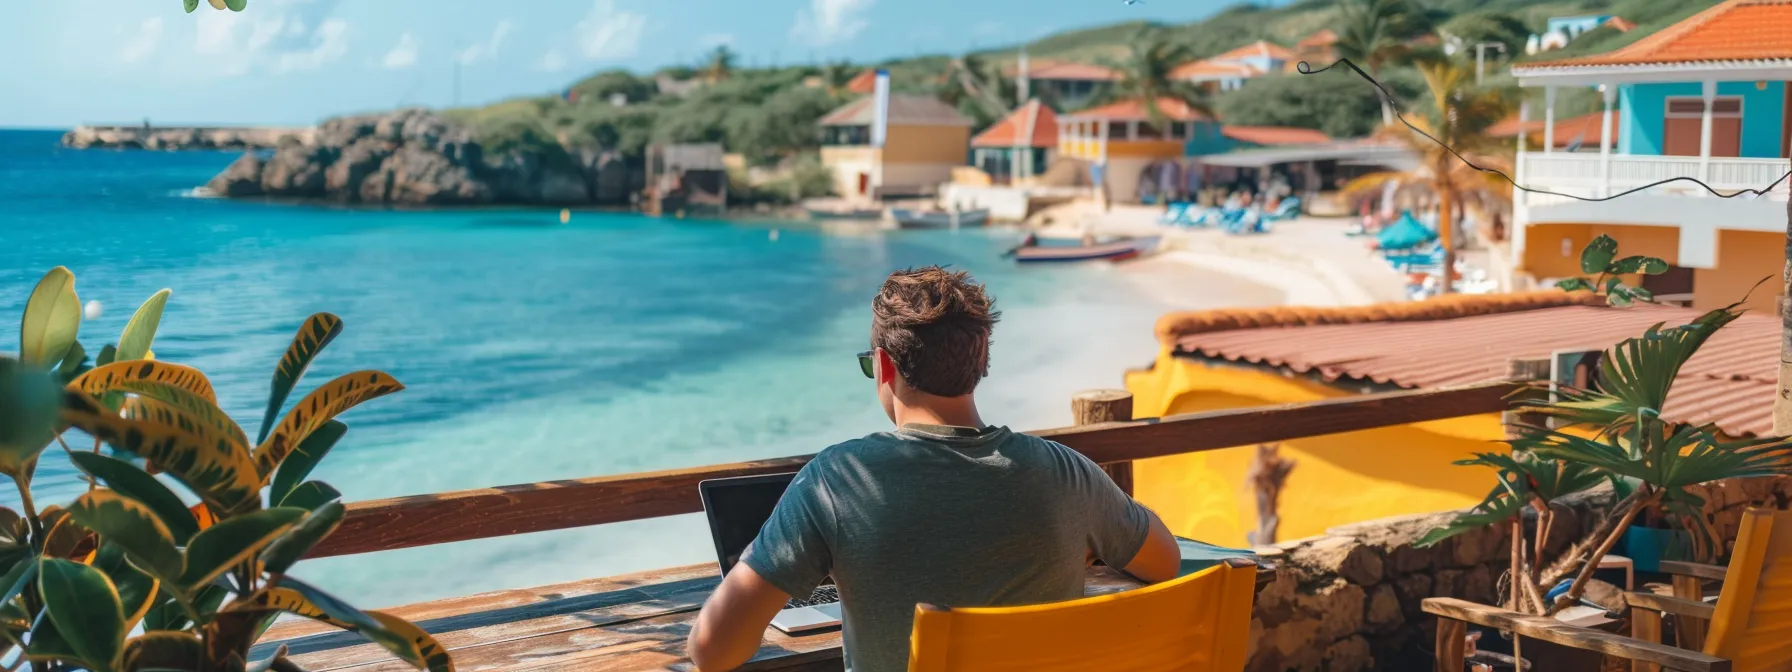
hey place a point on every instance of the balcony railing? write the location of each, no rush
(1582, 174)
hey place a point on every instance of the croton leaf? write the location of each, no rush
(285, 551)
(232, 541)
(72, 363)
(52, 317)
(317, 408)
(306, 600)
(140, 332)
(299, 464)
(126, 479)
(310, 495)
(133, 527)
(200, 456)
(84, 605)
(106, 377)
(194, 405)
(317, 332)
(27, 424)
(165, 650)
(1574, 285)
(136, 589)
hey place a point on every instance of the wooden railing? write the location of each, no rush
(421, 520)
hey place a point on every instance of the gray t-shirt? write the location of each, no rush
(950, 516)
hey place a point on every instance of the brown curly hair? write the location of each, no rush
(935, 324)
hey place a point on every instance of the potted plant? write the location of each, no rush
(128, 576)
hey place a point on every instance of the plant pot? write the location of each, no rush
(1648, 546)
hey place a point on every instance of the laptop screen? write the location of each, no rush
(737, 508)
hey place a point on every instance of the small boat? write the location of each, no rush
(938, 219)
(837, 209)
(1125, 248)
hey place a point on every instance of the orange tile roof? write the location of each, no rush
(1064, 70)
(905, 110)
(1211, 69)
(1270, 136)
(1260, 48)
(1012, 130)
(1735, 30)
(1134, 110)
(1620, 24)
(863, 83)
(1587, 128)
(1459, 340)
(1325, 37)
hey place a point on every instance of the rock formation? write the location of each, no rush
(415, 157)
(142, 137)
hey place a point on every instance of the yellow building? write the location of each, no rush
(925, 140)
(1123, 144)
(1227, 359)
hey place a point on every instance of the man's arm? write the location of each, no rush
(1158, 558)
(733, 620)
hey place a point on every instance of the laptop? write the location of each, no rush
(737, 508)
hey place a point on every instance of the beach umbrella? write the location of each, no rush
(1404, 234)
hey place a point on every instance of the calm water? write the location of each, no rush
(532, 351)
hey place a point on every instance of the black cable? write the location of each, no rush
(1306, 69)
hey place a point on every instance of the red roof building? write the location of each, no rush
(1274, 136)
(1030, 125)
(1134, 110)
(864, 83)
(1734, 32)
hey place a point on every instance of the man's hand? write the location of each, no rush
(1158, 559)
(733, 621)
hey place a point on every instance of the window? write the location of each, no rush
(1149, 132)
(1179, 130)
(1723, 106)
(846, 135)
(1117, 130)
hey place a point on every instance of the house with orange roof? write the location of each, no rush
(1705, 99)
(1121, 141)
(1319, 49)
(1019, 147)
(1228, 359)
(1229, 70)
(1582, 133)
(863, 83)
(1067, 84)
(922, 140)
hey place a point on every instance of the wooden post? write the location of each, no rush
(1268, 471)
(1452, 645)
(1097, 406)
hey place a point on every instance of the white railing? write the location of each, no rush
(1581, 174)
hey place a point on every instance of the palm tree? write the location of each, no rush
(1459, 117)
(978, 87)
(720, 65)
(1145, 76)
(1376, 33)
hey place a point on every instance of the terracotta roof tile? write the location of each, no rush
(1468, 339)
(1011, 131)
(1257, 49)
(1064, 70)
(1272, 136)
(1736, 30)
(904, 111)
(863, 83)
(1134, 110)
(1211, 69)
(1325, 37)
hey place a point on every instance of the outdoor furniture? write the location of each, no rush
(630, 622)
(1198, 622)
(1749, 623)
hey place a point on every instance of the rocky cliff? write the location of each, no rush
(414, 157)
(172, 138)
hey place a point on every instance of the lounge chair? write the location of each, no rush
(1201, 621)
(1177, 213)
(1749, 623)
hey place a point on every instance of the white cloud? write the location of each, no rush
(553, 61)
(608, 32)
(278, 34)
(489, 48)
(403, 55)
(828, 22)
(143, 43)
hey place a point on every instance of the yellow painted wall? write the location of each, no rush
(1743, 259)
(1337, 479)
(1543, 246)
(928, 144)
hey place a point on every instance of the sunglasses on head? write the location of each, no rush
(865, 363)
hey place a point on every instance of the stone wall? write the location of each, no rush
(1349, 600)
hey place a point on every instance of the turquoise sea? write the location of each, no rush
(532, 350)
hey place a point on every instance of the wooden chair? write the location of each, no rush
(1750, 626)
(1199, 622)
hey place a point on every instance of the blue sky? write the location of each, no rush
(68, 62)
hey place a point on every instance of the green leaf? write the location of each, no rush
(1612, 283)
(17, 579)
(299, 464)
(72, 363)
(183, 401)
(52, 316)
(236, 5)
(28, 416)
(48, 644)
(1499, 507)
(232, 541)
(1597, 257)
(128, 480)
(190, 5)
(1574, 285)
(1618, 296)
(166, 650)
(84, 605)
(285, 551)
(310, 495)
(107, 355)
(134, 527)
(136, 589)
(1643, 295)
(320, 406)
(317, 332)
(1640, 264)
(167, 614)
(306, 600)
(140, 332)
(198, 455)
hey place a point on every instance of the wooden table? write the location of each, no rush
(621, 623)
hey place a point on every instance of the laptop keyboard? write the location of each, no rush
(822, 595)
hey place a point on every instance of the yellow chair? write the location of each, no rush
(1197, 623)
(1751, 624)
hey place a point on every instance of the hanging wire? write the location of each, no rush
(1306, 69)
